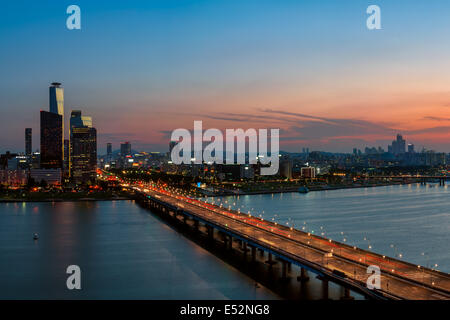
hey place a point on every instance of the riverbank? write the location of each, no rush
(310, 188)
(61, 200)
(62, 197)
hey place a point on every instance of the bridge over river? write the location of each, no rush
(328, 259)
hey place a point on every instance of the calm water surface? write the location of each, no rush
(409, 220)
(124, 252)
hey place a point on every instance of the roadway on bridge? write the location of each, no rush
(321, 252)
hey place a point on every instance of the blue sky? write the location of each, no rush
(143, 68)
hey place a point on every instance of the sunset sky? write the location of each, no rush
(310, 68)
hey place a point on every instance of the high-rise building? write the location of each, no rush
(51, 140)
(83, 156)
(108, 152)
(28, 141)
(286, 166)
(77, 120)
(125, 149)
(56, 99)
(82, 149)
(66, 154)
(411, 148)
(398, 145)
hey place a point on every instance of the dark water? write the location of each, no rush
(123, 251)
(413, 218)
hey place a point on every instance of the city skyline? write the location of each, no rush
(245, 65)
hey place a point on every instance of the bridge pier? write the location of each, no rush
(244, 248)
(261, 252)
(253, 254)
(196, 225)
(284, 270)
(270, 260)
(303, 277)
(325, 289)
(225, 240)
(347, 295)
(210, 231)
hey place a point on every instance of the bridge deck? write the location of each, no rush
(398, 278)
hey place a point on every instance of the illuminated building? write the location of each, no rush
(51, 140)
(83, 156)
(56, 99)
(308, 172)
(82, 149)
(78, 120)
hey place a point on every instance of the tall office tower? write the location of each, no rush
(56, 99)
(51, 140)
(28, 141)
(410, 148)
(66, 155)
(108, 152)
(401, 144)
(83, 157)
(77, 171)
(125, 149)
(78, 120)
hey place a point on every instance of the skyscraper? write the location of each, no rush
(83, 157)
(125, 149)
(66, 155)
(51, 140)
(28, 141)
(56, 100)
(398, 145)
(108, 152)
(82, 149)
(78, 120)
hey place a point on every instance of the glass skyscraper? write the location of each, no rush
(77, 120)
(51, 140)
(57, 98)
(83, 156)
(82, 149)
(28, 141)
(56, 95)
